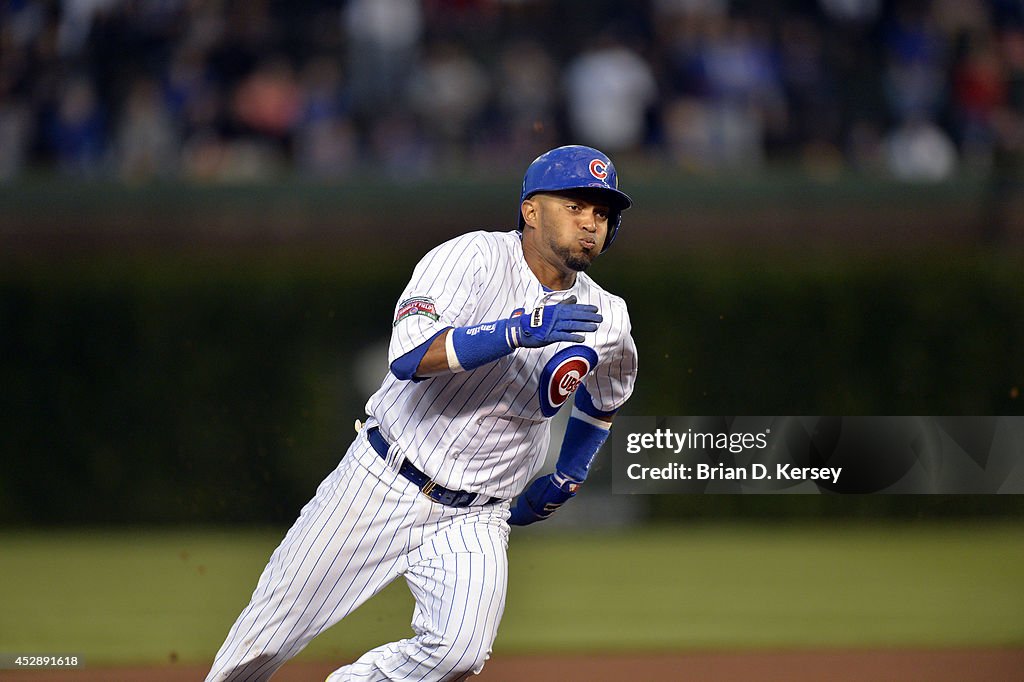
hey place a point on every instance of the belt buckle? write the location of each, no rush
(428, 488)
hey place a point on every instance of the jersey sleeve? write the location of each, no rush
(442, 293)
(611, 382)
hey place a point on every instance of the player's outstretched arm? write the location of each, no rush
(584, 436)
(464, 348)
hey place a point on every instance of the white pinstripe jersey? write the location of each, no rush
(487, 430)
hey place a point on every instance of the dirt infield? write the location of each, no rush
(960, 665)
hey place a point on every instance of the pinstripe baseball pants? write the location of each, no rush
(366, 526)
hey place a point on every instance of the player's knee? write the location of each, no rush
(471, 665)
(464, 656)
(256, 668)
(462, 669)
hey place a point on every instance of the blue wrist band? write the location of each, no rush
(477, 345)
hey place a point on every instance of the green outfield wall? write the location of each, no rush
(198, 391)
(173, 354)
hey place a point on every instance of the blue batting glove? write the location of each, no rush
(541, 499)
(553, 323)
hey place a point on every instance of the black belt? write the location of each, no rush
(438, 493)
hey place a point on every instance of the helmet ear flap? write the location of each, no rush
(614, 222)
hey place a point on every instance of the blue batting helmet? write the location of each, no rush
(577, 167)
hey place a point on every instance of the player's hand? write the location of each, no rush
(553, 323)
(541, 499)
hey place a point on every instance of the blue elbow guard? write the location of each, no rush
(405, 366)
(585, 403)
(584, 436)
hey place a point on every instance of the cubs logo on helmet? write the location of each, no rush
(562, 375)
(599, 169)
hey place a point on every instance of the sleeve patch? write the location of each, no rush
(419, 305)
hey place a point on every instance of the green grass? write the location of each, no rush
(147, 596)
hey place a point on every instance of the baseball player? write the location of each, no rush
(494, 333)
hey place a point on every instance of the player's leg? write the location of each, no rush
(344, 548)
(459, 579)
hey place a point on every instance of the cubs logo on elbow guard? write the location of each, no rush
(562, 375)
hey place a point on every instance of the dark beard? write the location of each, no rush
(573, 262)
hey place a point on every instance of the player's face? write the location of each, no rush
(572, 226)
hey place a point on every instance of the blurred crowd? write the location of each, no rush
(251, 89)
